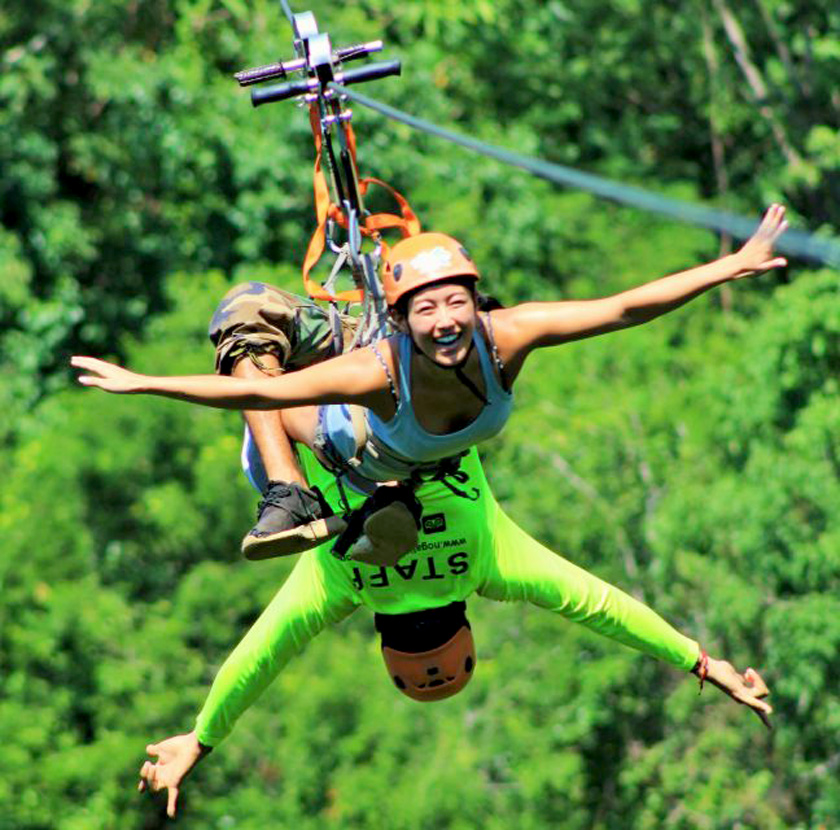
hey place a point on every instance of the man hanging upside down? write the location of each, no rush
(419, 601)
(420, 614)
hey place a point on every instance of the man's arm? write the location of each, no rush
(524, 570)
(309, 600)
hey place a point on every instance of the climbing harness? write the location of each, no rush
(339, 191)
(339, 206)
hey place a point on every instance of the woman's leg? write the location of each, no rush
(262, 330)
(267, 427)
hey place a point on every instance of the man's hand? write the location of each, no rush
(747, 688)
(107, 376)
(756, 255)
(176, 757)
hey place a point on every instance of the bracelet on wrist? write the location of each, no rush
(702, 668)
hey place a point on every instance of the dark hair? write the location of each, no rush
(421, 631)
(487, 302)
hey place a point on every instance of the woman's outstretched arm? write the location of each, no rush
(356, 377)
(532, 325)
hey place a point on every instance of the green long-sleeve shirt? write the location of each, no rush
(467, 547)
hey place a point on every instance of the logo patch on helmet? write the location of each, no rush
(430, 262)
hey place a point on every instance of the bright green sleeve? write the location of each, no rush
(308, 601)
(519, 568)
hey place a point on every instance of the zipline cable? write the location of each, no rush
(289, 15)
(793, 242)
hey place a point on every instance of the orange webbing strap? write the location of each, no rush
(407, 222)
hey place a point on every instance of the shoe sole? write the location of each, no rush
(296, 540)
(389, 534)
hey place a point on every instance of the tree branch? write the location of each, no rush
(755, 81)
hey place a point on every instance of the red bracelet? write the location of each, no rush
(702, 667)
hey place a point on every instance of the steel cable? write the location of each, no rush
(794, 242)
(289, 15)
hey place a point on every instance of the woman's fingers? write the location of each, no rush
(774, 222)
(772, 225)
(89, 380)
(97, 368)
(104, 375)
(91, 364)
(778, 262)
(757, 251)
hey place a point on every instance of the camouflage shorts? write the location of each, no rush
(255, 318)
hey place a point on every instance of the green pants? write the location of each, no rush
(467, 547)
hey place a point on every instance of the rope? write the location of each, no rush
(288, 12)
(793, 242)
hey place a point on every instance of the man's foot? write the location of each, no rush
(388, 534)
(290, 518)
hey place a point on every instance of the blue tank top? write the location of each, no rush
(405, 443)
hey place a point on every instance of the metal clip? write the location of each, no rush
(330, 120)
(329, 230)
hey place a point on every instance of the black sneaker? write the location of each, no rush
(290, 518)
(384, 529)
(389, 534)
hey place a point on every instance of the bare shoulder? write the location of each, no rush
(388, 349)
(514, 328)
(532, 325)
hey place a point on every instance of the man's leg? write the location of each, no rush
(258, 329)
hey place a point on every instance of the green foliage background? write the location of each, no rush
(694, 461)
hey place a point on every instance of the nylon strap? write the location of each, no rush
(361, 433)
(325, 209)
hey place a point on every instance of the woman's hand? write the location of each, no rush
(756, 255)
(107, 376)
(747, 688)
(176, 757)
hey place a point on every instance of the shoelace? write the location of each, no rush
(274, 497)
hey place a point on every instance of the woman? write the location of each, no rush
(406, 407)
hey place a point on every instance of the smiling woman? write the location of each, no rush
(408, 407)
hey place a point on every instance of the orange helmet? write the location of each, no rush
(421, 260)
(434, 673)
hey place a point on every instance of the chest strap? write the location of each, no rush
(367, 443)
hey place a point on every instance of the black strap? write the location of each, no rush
(444, 470)
(382, 497)
(388, 374)
(495, 352)
(458, 370)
